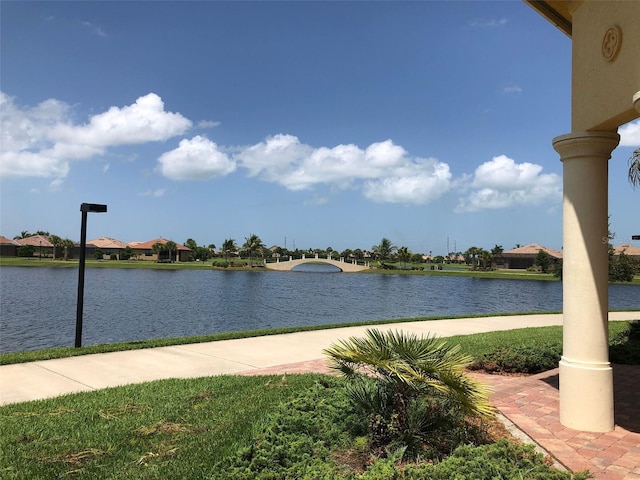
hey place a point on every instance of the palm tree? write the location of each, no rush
(229, 247)
(252, 243)
(404, 255)
(384, 249)
(157, 248)
(67, 245)
(634, 168)
(470, 256)
(497, 252)
(172, 247)
(393, 375)
(56, 241)
(486, 258)
(23, 234)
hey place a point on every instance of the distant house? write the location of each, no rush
(525, 257)
(631, 250)
(144, 251)
(41, 244)
(8, 247)
(108, 246)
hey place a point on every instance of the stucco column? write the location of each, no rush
(586, 377)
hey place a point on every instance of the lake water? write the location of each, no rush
(38, 304)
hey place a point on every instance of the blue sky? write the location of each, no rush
(322, 123)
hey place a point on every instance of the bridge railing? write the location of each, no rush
(289, 258)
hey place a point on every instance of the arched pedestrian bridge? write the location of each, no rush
(284, 265)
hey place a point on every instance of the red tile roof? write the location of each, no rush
(630, 250)
(36, 241)
(106, 242)
(7, 241)
(532, 249)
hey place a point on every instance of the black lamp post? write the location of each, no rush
(84, 208)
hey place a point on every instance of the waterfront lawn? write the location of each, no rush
(227, 428)
(222, 427)
(162, 429)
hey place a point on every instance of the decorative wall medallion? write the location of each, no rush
(611, 43)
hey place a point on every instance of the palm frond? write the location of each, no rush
(634, 168)
(414, 364)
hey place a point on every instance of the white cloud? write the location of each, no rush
(430, 181)
(512, 89)
(195, 159)
(383, 171)
(43, 140)
(56, 185)
(94, 28)
(502, 183)
(208, 124)
(488, 23)
(273, 158)
(157, 193)
(630, 134)
(142, 122)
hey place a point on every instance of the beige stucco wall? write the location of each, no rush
(602, 88)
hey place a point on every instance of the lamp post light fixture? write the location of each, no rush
(84, 208)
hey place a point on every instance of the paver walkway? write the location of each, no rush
(531, 403)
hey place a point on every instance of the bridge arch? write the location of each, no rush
(344, 266)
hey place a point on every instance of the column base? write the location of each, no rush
(586, 396)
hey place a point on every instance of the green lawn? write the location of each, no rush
(184, 428)
(165, 429)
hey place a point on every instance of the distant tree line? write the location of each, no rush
(385, 254)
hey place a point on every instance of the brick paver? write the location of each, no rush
(535, 410)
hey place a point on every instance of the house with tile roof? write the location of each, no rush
(109, 246)
(525, 257)
(144, 251)
(630, 250)
(41, 243)
(8, 247)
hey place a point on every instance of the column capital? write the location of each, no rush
(586, 144)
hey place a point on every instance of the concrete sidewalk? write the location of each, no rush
(50, 378)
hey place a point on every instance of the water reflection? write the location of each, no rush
(38, 304)
(316, 268)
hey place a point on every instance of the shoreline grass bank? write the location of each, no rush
(455, 270)
(25, 356)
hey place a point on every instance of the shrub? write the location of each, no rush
(26, 251)
(306, 436)
(529, 359)
(624, 348)
(295, 442)
(502, 459)
(410, 390)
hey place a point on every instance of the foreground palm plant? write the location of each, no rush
(408, 385)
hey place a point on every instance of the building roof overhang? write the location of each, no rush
(557, 12)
